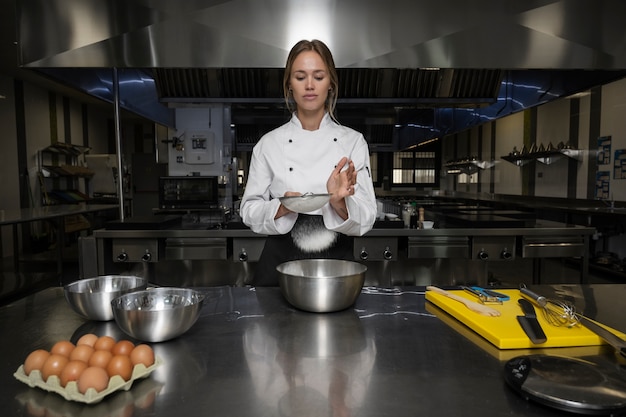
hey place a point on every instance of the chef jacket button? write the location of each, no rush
(290, 168)
(290, 140)
(335, 139)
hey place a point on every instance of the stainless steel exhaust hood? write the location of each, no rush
(426, 87)
(427, 68)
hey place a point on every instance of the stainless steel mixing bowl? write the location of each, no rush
(321, 285)
(91, 297)
(157, 314)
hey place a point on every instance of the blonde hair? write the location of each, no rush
(322, 50)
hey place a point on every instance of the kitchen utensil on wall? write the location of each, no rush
(529, 322)
(472, 305)
(556, 312)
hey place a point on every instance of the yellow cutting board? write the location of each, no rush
(504, 331)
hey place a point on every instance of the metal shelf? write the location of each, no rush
(467, 166)
(60, 171)
(545, 157)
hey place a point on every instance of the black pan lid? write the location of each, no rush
(569, 384)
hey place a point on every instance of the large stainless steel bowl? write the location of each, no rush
(158, 314)
(321, 285)
(91, 297)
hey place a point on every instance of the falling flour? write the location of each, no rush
(312, 236)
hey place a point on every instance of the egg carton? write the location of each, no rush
(91, 396)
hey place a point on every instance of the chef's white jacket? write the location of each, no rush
(290, 158)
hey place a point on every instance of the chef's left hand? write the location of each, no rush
(341, 185)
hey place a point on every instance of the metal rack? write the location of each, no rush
(467, 166)
(546, 156)
(59, 170)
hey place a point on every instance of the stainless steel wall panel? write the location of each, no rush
(362, 33)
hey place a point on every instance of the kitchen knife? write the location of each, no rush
(609, 337)
(529, 322)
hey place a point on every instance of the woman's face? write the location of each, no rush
(309, 82)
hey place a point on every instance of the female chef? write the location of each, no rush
(310, 153)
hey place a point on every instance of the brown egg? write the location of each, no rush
(100, 358)
(53, 366)
(104, 343)
(142, 354)
(120, 365)
(63, 347)
(87, 339)
(123, 347)
(35, 360)
(82, 353)
(93, 377)
(72, 372)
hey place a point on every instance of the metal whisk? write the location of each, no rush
(556, 312)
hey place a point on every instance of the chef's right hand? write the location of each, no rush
(282, 210)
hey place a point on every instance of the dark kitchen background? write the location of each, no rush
(497, 99)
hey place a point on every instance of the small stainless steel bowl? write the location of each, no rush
(157, 314)
(91, 297)
(321, 285)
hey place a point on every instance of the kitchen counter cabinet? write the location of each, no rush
(251, 354)
(245, 246)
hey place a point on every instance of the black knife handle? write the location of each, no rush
(529, 322)
(527, 308)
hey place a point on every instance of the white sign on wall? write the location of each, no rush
(199, 148)
(197, 144)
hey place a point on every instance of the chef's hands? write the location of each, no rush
(341, 184)
(282, 210)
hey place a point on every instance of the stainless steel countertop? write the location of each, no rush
(250, 354)
(538, 228)
(50, 212)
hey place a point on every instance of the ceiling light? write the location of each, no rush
(579, 95)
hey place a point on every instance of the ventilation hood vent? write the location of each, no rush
(432, 87)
